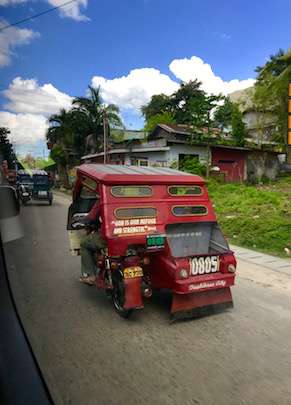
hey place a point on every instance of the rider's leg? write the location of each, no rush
(90, 244)
(87, 256)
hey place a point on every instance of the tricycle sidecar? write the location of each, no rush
(41, 186)
(161, 233)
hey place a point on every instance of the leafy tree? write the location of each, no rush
(90, 111)
(188, 105)
(60, 135)
(68, 130)
(238, 126)
(222, 115)
(161, 118)
(59, 155)
(192, 165)
(159, 103)
(271, 88)
(6, 148)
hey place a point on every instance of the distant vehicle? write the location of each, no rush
(161, 233)
(34, 185)
(24, 186)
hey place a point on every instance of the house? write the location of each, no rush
(168, 145)
(260, 126)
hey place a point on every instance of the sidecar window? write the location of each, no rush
(184, 190)
(193, 238)
(132, 191)
(189, 210)
(135, 212)
(88, 194)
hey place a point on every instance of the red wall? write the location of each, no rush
(231, 163)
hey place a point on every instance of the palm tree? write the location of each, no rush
(92, 109)
(60, 136)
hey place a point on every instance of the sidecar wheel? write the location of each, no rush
(118, 296)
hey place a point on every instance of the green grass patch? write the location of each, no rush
(256, 217)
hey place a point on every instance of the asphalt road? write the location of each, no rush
(89, 355)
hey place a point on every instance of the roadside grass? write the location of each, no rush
(256, 217)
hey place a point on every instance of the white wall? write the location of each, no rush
(176, 150)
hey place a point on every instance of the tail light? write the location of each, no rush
(146, 260)
(183, 273)
(227, 263)
(231, 268)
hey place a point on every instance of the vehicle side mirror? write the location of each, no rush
(9, 203)
(9, 214)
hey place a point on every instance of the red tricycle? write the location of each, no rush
(161, 232)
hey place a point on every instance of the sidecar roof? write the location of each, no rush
(121, 174)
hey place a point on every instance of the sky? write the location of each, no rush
(132, 49)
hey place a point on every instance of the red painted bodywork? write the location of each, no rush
(163, 269)
(133, 296)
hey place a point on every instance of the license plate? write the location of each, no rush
(25, 194)
(42, 193)
(156, 241)
(131, 272)
(204, 265)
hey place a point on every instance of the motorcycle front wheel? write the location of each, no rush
(118, 295)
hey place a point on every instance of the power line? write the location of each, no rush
(36, 15)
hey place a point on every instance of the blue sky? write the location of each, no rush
(57, 55)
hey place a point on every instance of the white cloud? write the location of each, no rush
(29, 105)
(71, 10)
(11, 2)
(24, 128)
(135, 89)
(12, 37)
(195, 68)
(27, 96)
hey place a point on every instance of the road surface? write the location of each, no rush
(89, 355)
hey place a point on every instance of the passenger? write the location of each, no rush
(90, 245)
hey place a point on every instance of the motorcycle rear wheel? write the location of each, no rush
(118, 297)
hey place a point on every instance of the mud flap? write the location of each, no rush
(133, 293)
(198, 304)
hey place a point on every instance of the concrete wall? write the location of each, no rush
(176, 150)
(169, 156)
(260, 126)
(152, 157)
(262, 165)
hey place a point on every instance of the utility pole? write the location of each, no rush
(104, 136)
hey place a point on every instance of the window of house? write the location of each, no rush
(139, 162)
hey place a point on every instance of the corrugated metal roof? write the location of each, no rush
(123, 174)
(134, 170)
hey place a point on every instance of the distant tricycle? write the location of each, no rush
(33, 185)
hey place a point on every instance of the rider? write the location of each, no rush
(90, 244)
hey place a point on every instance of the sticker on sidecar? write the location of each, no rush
(204, 265)
(207, 284)
(134, 226)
